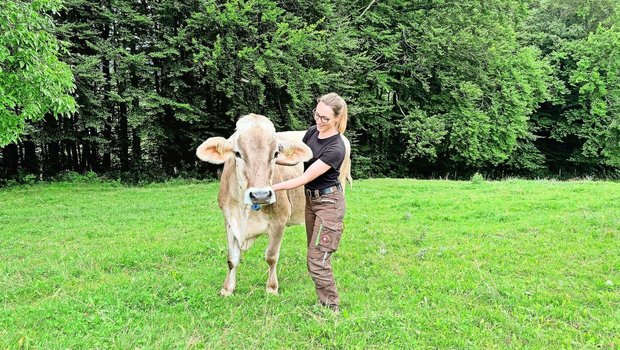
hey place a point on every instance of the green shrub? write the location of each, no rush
(477, 178)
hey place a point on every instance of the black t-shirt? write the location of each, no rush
(331, 151)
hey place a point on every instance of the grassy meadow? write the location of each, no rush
(422, 264)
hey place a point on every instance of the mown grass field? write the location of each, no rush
(422, 264)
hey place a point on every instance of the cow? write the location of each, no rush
(254, 158)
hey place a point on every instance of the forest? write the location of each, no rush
(127, 89)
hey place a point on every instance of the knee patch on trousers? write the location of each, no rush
(320, 269)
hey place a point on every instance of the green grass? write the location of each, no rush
(424, 264)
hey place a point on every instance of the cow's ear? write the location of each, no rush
(293, 152)
(215, 150)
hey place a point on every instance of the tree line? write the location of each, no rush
(435, 88)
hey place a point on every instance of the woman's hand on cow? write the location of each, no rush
(316, 169)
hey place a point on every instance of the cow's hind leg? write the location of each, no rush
(234, 256)
(272, 254)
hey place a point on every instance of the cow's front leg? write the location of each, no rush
(234, 255)
(272, 254)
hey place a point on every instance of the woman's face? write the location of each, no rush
(324, 117)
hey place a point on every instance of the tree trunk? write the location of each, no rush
(91, 155)
(85, 159)
(31, 163)
(123, 137)
(169, 157)
(136, 148)
(53, 149)
(10, 161)
(75, 149)
(63, 155)
(106, 163)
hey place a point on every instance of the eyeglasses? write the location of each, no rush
(323, 119)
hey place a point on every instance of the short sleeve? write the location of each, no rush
(333, 156)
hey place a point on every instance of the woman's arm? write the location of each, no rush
(315, 170)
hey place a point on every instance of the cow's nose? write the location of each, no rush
(261, 196)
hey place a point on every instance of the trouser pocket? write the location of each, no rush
(328, 238)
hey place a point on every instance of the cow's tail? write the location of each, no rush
(345, 168)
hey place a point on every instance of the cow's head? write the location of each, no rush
(255, 150)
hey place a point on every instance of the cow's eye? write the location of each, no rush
(237, 154)
(275, 155)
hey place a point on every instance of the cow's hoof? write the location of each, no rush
(272, 291)
(225, 292)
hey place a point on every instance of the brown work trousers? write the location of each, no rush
(324, 226)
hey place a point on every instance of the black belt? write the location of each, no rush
(318, 193)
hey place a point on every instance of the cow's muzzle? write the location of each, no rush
(259, 196)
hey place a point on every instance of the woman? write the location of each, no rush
(325, 204)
